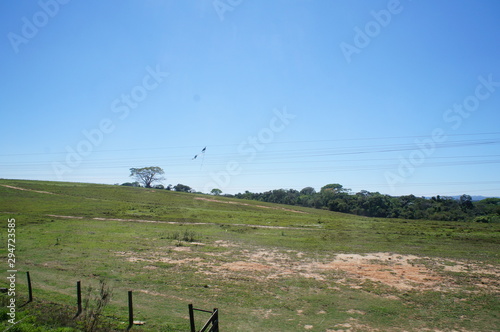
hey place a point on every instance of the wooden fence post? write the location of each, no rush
(215, 320)
(191, 318)
(30, 290)
(130, 311)
(78, 298)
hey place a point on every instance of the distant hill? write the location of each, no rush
(474, 198)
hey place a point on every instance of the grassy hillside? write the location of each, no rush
(266, 267)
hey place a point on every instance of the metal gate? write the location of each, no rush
(212, 325)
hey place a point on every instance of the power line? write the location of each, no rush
(234, 144)
(299, 153)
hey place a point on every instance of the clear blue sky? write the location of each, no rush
(398, 97)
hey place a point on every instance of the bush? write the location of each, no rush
(187, 236)
(491, 218)
(93, 307)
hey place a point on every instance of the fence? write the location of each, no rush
(212, 323)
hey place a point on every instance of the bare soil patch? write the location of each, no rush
(246, 266)
(394, 270)
(403, 272)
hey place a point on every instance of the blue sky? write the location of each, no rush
(400, 97)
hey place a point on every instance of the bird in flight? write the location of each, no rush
(202, 151)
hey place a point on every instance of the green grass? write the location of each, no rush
(250, 262)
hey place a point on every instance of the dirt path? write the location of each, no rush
(24, 189)
(179, 222)
(246, 204)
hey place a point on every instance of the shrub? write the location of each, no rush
(93, 307)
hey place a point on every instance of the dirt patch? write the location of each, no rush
(225, 244)
(266, 314)
(352, 325)
(185, 249)
(355, 312)
(403, 272)
(394, 270)
(63, 217)
(159, 257)
(25, 189)
(246, 266)
(246, 204)
(468, 267)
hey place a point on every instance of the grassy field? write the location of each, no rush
(266, 267)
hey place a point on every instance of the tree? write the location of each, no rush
(183, 188)
(308, 191)
(216, 192)
(133, 184)
(466, 202)
(147, 175)
(335, 188)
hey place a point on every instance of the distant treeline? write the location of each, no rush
(179, 187)
(373, 204)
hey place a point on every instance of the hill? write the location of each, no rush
(476, 198)
(267, 267)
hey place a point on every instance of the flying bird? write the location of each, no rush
(203, 159)
(202, 151)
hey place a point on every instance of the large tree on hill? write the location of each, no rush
(147, 175)
(216, 191)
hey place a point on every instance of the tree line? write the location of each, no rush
(146, 176)
(178, 187)
(335, 197)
